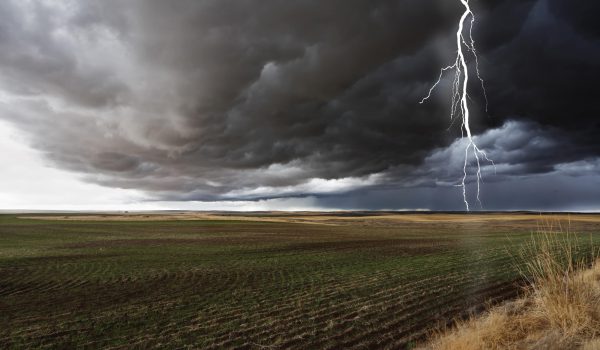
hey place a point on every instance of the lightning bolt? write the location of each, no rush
(460, 95)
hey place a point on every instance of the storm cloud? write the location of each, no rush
(247, 100)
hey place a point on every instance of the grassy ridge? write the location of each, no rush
(560, 309)
(244, 284)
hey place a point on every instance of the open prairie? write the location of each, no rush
(256, 280)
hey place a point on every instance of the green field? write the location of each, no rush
(214, 284)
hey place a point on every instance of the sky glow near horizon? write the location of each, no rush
(28, 182)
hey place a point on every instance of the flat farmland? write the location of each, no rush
(255, 281)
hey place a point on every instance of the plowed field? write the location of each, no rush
(260, 281)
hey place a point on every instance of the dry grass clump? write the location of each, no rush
(559, 310)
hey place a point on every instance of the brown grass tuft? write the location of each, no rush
(559, 310)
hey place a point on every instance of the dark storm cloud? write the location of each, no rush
(254, 99)
(549, 71)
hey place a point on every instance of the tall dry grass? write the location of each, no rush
(560, 308)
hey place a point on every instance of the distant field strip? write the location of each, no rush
(245, 284)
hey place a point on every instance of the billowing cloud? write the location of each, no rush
(229, 100)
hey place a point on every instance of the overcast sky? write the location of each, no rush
(262, 105)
